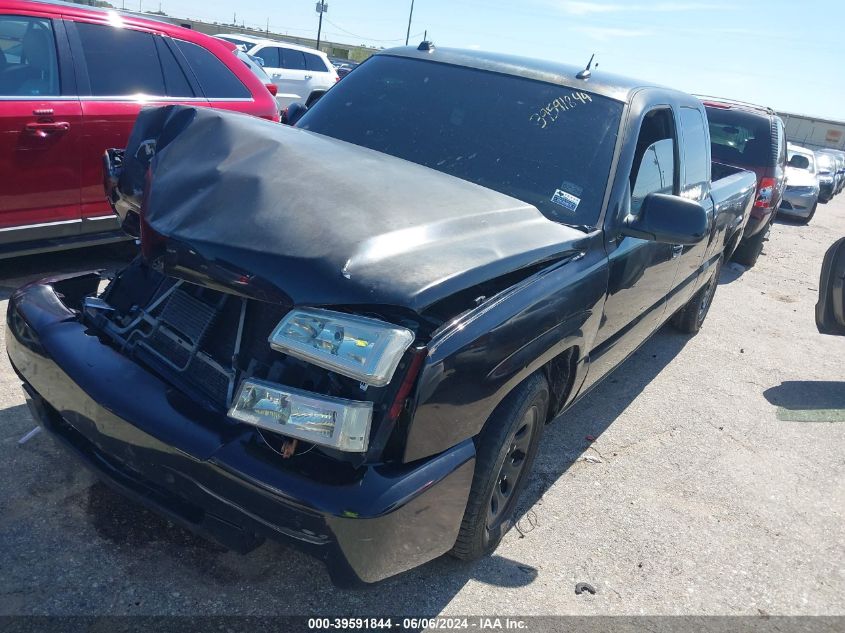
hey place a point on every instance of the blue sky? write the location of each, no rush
(786, 54)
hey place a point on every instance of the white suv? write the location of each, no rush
(297, 71)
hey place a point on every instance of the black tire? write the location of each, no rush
(493, 498)
(690, 318)
(749, 250)
(812, 213)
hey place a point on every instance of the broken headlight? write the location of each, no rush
(336, 422)
(359, 347)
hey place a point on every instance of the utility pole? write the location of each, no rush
(410, 17)
(322, 7)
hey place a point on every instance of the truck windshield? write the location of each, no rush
(545, 144)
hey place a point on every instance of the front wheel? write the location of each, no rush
(812, 213)
(505, 451)
(690, 318)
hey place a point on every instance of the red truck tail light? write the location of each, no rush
(765, 193)
(273, 88)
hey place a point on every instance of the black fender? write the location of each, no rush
(478, 359)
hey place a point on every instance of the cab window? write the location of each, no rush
(696, 154)
(655, 169)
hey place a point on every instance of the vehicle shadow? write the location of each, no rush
(566, 438)
(731, 271)
(807, 394)
(17, 271)
(276, 569)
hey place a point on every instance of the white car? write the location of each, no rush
(297, 71)
(801, 196)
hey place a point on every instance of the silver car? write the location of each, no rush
(827, 166)
(801, 196)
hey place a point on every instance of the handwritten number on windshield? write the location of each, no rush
(550, 113)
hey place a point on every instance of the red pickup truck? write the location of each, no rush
(72, 81)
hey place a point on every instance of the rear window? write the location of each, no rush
(217, 81)
(548, 145)
(315, 63)
(740, 138)
(291, 59)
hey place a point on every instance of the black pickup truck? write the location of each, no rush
(351, 333)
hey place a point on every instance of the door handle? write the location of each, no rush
(677, 250)
(309, 76)
(42, 130)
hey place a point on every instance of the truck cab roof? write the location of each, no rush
(608, 85)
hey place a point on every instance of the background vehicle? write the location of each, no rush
(257, 70)
(830, 308)
(751, 137)
(839, 160)
(801, 197)
(343, 66)
(827, 166)
(73, 82)
(297, 71)
(451, 345)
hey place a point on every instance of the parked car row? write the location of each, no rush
(813, 178)
(791, 180)
(831, 169)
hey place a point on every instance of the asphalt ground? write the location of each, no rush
(706, 476)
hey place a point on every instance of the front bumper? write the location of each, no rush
(206, 472)
(798, 203)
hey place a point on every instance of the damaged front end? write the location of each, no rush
(174, 395)
(316, 377)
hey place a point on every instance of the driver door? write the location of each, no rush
(642, 272)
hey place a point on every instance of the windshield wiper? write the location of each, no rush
(584, 228)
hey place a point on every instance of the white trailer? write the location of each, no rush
(813, 132)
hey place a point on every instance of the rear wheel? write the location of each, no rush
(505, 451)
(749, 250)
(690, 318)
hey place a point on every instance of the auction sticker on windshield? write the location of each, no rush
(566, 196)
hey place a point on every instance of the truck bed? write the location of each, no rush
(733, 191)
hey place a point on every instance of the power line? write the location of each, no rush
(364, 37)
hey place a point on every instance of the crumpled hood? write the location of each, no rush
(796, 177)
(256, 205)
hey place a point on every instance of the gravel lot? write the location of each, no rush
(715, 485)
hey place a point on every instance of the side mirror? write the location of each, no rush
(830, 310)
(293, 113)
(668, 219)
